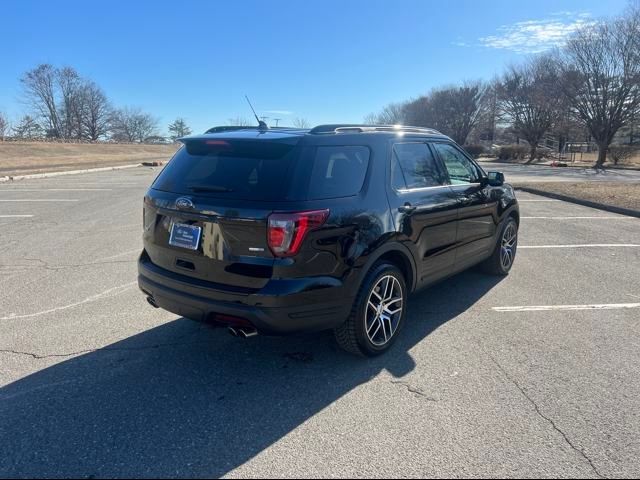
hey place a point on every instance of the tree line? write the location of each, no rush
(589, 88)
(64, 105)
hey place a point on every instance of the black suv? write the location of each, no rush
(276, 231)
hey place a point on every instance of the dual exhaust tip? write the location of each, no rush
(238, 332)
(242, 332)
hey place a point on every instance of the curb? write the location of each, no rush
(586, 203)
(67, 172)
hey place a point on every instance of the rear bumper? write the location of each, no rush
(281, 307)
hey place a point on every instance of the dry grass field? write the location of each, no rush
(19, 158)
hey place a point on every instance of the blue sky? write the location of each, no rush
(328, 61)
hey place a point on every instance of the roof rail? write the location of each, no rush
(351, 128)
(229, 128)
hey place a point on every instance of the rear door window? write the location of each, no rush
(338, 171)
(249, 170)
(413, 166)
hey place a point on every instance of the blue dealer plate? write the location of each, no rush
(185, 236)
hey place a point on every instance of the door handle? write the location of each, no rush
(465, 200)
(407, 208)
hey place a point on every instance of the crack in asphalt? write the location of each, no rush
(549, 420)
(103, 349)
(178, 343)
(415, 390)
(109, 293)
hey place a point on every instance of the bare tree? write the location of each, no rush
(601, 77)
(40, 93)
(68, 105)
(299, 122)
(132, 125)
(178, 129)
(392, 114)
(96, 112)
(4, 126)
(239, 122)
(486, 127)
(28, 128)
(530, 101)
(455, 111)
(70, 109)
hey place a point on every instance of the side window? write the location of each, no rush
(460, 169)
(338, 171)
(413, 166)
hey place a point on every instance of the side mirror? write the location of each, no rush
(496, 179)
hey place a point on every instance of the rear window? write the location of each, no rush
(413, 166)
(249, 170)
(338, 171)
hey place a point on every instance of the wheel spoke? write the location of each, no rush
(373, 335)
(384, 330)
(386, 289)
(394, 300)
(390, 322)
(392, 312)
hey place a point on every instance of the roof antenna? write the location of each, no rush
(261, 124)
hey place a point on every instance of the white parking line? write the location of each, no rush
(56, 190)
(114, 183)
(39, 200)
(601, 217)
(16, 216)
(546, 308)
(592, 245)
(536, 200)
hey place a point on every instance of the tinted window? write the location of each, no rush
(413, 166)
(460, 169)
(338, 171)
(226, 169)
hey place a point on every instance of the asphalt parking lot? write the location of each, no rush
(522, 173)
(533, 375)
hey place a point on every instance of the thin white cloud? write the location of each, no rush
(460, 42)
(535, 36)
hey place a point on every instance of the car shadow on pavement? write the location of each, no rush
(187, 400)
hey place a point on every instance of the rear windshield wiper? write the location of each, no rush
(209, 188)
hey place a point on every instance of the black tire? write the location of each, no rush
(352, 335)
(494, 265)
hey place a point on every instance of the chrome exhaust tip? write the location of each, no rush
(152, 302)
(248, 333)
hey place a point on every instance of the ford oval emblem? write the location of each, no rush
(184, 203)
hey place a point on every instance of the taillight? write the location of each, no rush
(287, 230)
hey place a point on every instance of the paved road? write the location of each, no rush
(518, 173)
(94, 382)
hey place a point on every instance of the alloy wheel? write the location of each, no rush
(384, 310)
(508, 245)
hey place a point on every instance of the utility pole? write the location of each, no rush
(277, 120)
